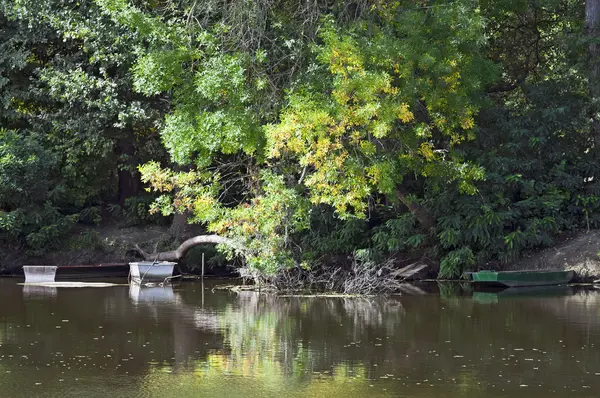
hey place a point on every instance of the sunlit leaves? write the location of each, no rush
(262, 226)
(355, 140)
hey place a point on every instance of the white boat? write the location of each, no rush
(150, 271)
(39, 273)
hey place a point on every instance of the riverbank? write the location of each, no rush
(578, 251)
(107, 244)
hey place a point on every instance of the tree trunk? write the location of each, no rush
(129, 178)
(421, 214)
(181, 251)
(592, 23)
(179, 224)
(129, 185)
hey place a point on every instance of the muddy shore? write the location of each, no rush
(577, 251)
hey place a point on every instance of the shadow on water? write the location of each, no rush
(188, 340)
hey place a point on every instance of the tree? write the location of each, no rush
(592, 23)
(64, 73)
(368, 110)
(304, 132)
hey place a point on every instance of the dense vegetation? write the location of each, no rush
(463, 131)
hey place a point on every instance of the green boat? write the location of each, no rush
(523, 278)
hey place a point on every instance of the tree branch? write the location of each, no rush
(181, 251)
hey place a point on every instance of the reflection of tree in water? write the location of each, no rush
(454, 341)
(451, 339)
(314, 334)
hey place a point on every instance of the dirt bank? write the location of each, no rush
(88, 245)
(114, 244)
(577, 251)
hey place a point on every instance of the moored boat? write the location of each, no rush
(523, 278)
(150, 271)
(51, 273)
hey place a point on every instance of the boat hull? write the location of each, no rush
(523, 278)
(150, 272)
(51, 273)
(39, 273)
(97, 271)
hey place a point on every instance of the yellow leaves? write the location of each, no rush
(426, 150)
(355, 137)
(452, 80)
(322, 147)
(380, 129)
(367, 148)
(203, 204)
(338, 129)
(404, 113)
(248, 229)
(22, 107)
(341, 53)
(467, 123)
(341, 96)
(376, 173)
(441, 122)
(295, 144)
(277, 136)
(467, 120)
(283, 137)
(161, 180)
(344, 60)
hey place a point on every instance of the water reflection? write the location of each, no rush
(42, 292)
(494, 295)
(187, 340)
(151, 294)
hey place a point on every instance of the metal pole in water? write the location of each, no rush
(202, 265)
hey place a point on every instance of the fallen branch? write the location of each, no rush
(181, 251)
(354, 278)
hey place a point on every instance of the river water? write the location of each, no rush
(190, 341)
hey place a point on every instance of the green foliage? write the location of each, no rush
(385, 102)
(395, 233)
(461, 130)
(328, 236)
(28, 194)
(67, 93)
(85, 240)
(25, 170)
(370, 110)
(455, 262)
(90, 215)
(136, 211)
(212, 258)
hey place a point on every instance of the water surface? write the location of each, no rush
(188, 341)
